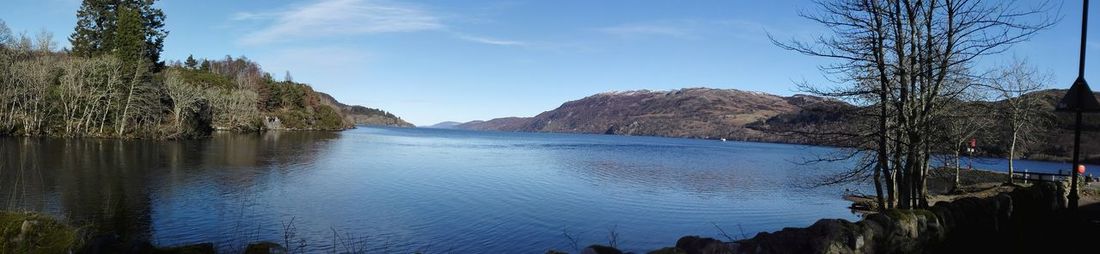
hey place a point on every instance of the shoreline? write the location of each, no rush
(978, 183)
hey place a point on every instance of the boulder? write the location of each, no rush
(265, 247)
(701, 245)
(668, 250)
(600, 249)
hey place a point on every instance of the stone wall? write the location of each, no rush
(1023, 218)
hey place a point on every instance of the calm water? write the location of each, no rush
(384, 189)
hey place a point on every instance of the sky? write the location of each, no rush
(434, 61)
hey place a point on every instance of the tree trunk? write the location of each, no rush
(956, 186)
(126, 108)
(1012, 155)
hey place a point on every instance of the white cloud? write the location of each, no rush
(688, 29)
(679, 29)
(489, 40)
(329, 18)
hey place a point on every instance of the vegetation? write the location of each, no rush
(112, 83)
(33, 233)
(908, 63)
(132, 30)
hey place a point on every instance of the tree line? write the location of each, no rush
(112, 83)
(911, 66)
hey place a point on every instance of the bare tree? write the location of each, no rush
(909, 59)
(1019, 113)
(44, 43)
(6, 37)
(969, 117)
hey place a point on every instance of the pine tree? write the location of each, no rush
(94, 21)
(98, 22)
(127, 42)
(190, 62)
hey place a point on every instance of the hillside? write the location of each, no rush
(444, 125)
(498, 124)
(360, 115)
(1055, 142)
(692, 112)
(753, 116)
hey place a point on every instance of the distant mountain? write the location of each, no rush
(360, 115)
(754, 116)
(692, 113)
(498, 124)
(444, 125)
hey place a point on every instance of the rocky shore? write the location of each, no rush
(982, 216)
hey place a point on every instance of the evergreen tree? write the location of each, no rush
(190, 62)
(98, 23)
(127, 42)
(93, 23)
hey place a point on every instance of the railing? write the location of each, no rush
(1044, 177)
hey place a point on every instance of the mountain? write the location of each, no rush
(753, 116)
(691, 112)
(498, 124)
(445, 125)
(360, 115)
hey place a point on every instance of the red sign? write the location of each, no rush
(1081, 169)
(973, 142)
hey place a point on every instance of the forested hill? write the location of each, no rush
(113, 83)
(278, 104)
(360, 115)
(47, 92)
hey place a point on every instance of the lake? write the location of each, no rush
(402, 190)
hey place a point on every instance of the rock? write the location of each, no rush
(264, 247)
(668, 250)
(700, 245)
(25, 230)
(201, 248)
(600, 249)
(556, 252)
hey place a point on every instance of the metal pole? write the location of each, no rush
(1084, 33)
(1073, 197)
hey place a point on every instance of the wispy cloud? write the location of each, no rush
(686, 29)
(674, 29)
(328, 18)
(490, 40)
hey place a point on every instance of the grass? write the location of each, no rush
(35, 233)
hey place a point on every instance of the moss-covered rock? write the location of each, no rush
(35, 233)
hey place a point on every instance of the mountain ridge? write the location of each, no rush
(361, 115)
(706, 113)
(732, 114)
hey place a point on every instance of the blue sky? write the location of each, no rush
(433, 61)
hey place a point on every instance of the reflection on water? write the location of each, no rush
(109, 183)
(400, 190)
